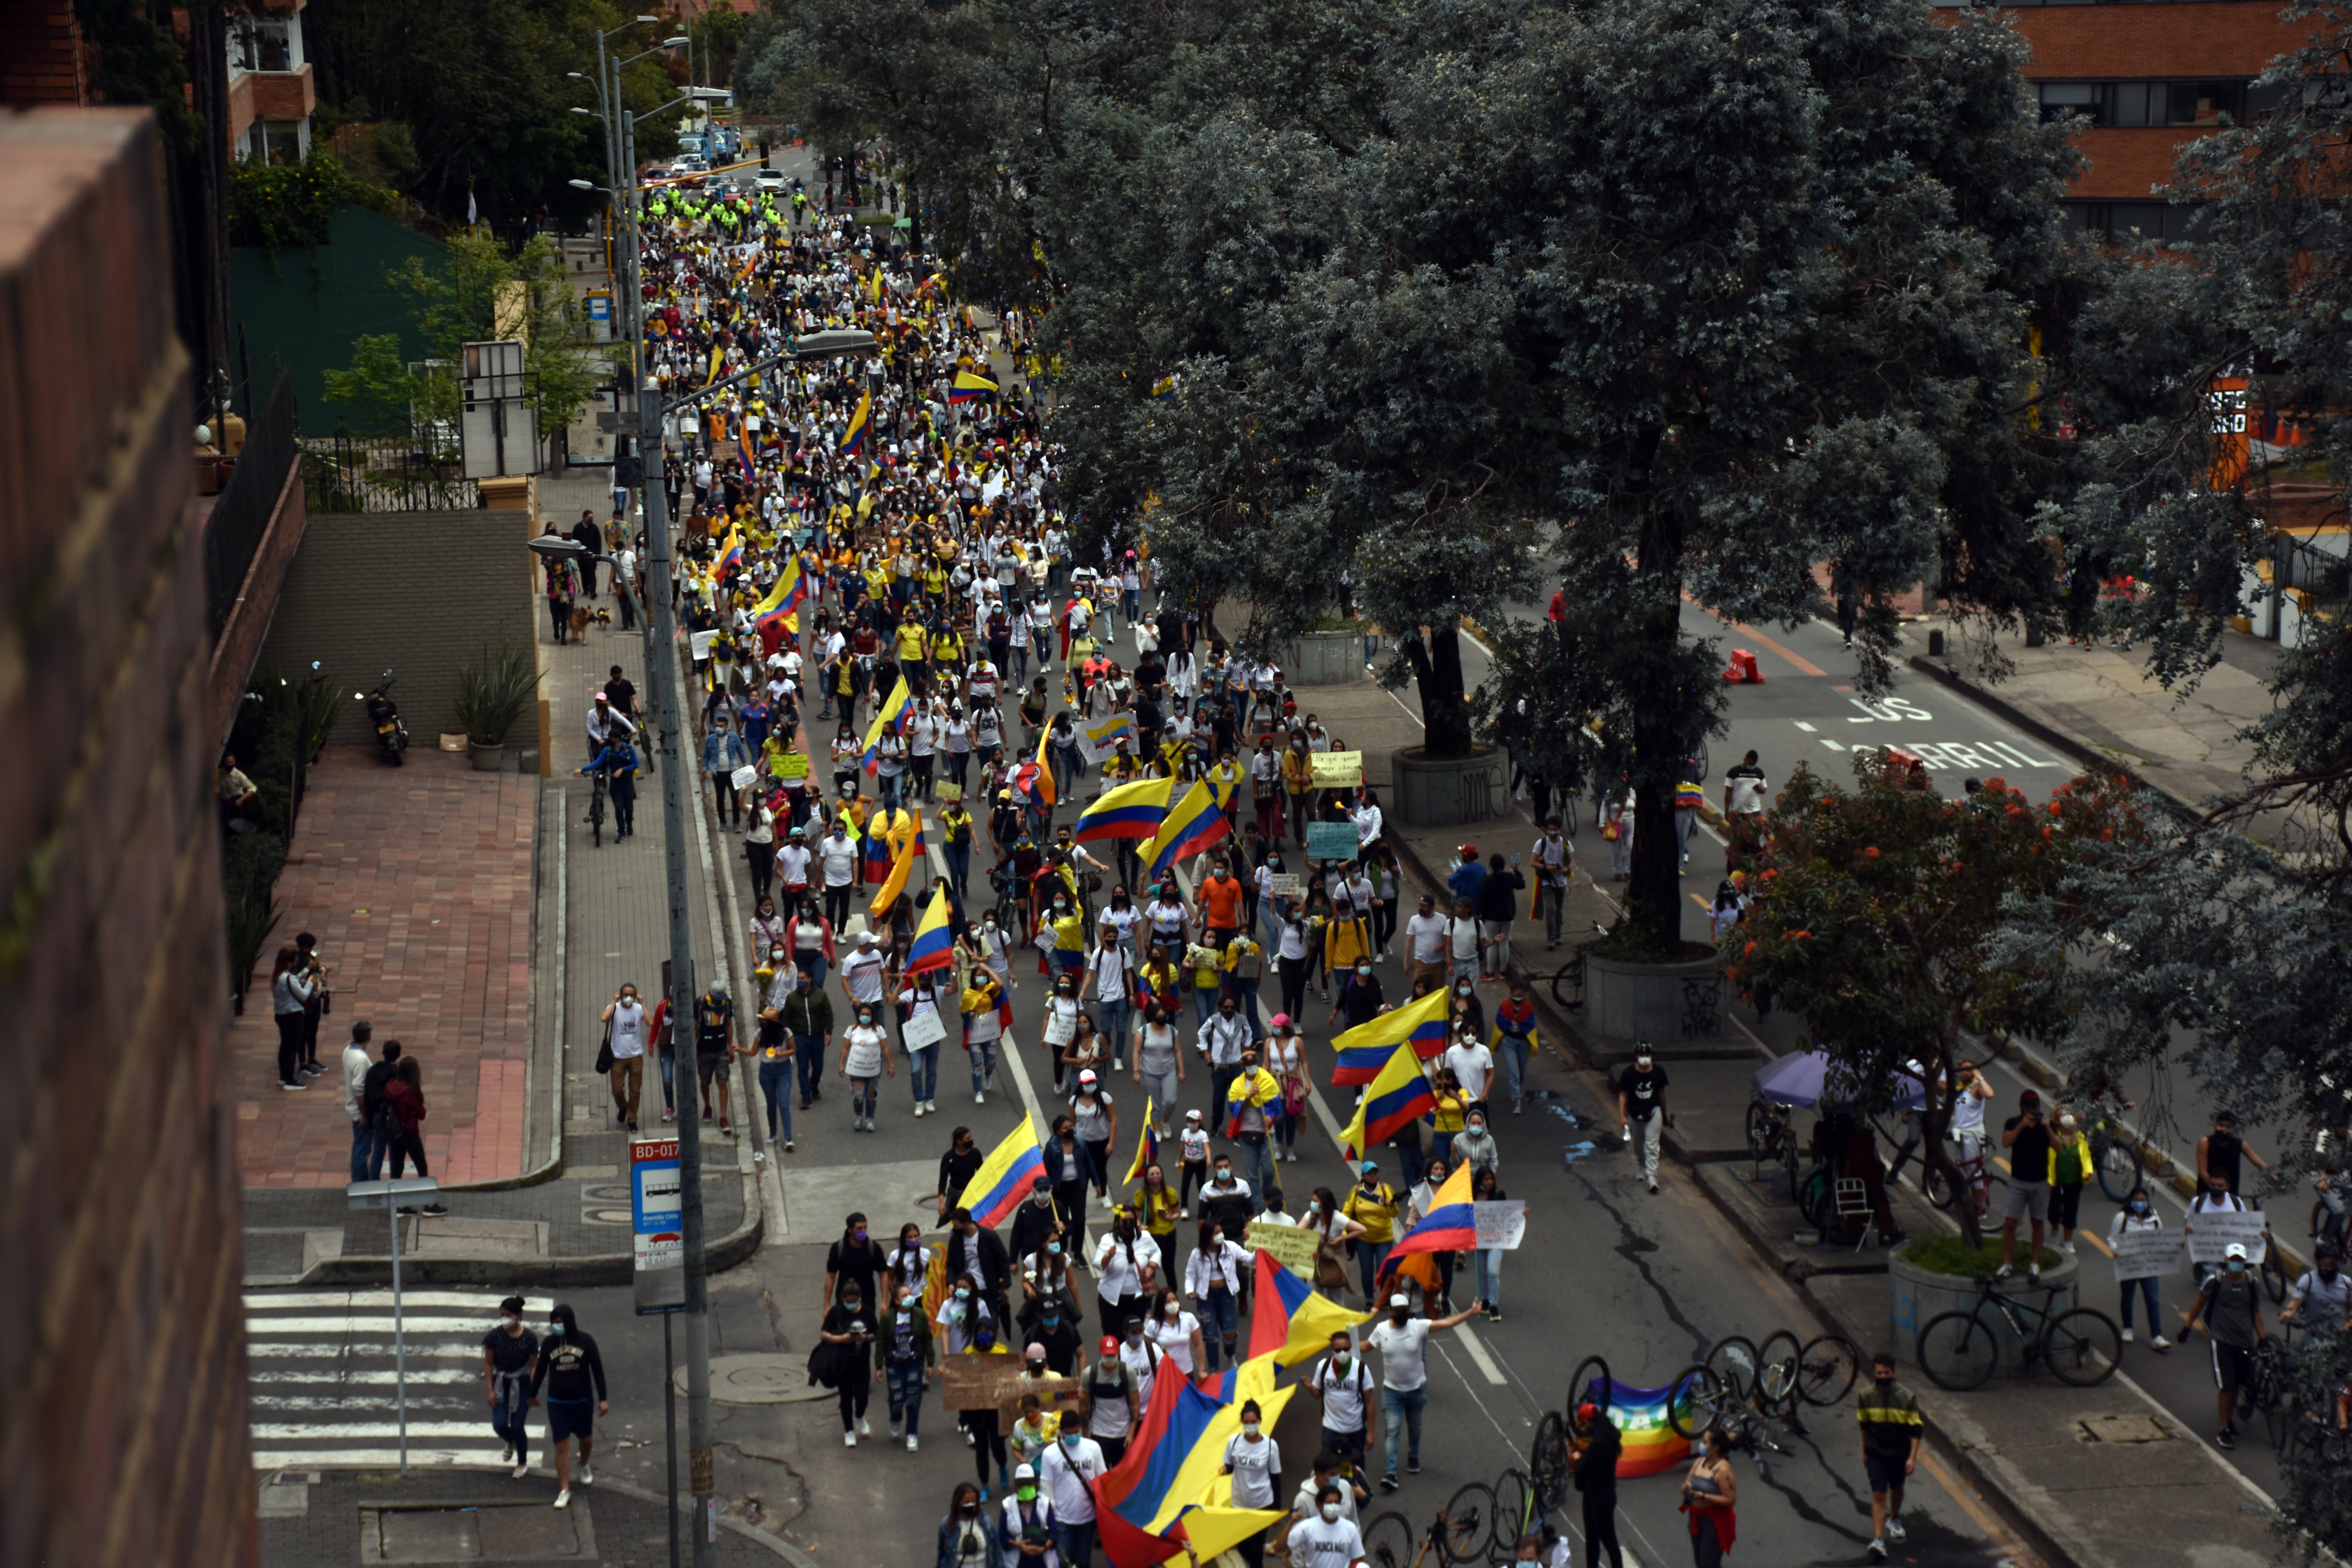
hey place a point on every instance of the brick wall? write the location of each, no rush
(419, 593)
(41, 53)
(2086, 42)
(123, 1440)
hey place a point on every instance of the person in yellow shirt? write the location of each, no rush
(1345, 940)
(1205, 967)
(1371, 1203)
(946, 648)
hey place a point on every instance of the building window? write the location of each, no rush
(2133, 103)
(279, 143)
(2125, 223)
(264, 44)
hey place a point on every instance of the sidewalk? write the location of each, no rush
(2099, 705)
(546, 1202)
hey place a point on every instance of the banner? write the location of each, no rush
(2209, 1235)
(744, 777)
(1288, 885)
(1337, 770)
(2148, 1254)
(1502, 1225)
(1330, 841)
(1291, 1245)
(793, 766)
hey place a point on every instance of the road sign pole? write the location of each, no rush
(669, 1414)
(399, 1344)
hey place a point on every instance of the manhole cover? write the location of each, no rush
(2126, 1429)
(758, 1380)
(486, 1533)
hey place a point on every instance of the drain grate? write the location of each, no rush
(2125, 1429)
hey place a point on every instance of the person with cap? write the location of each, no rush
(1026, 1525)
(2229, 1303)
(2028, 1140)
(571, 1375)
(1341, 1383)
(606, 725)
(1096, 1123)
(1067, 1475)
(714, 1048)
(1595, 1446)
(1641, 1097)
(1114, 1405)
(1192, 1155)
(1402, 1344)
(846, 1340)
(509, 1363)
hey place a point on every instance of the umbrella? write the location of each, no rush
(1801, 1078)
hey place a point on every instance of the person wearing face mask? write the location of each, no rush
(1330, 1540)
(1226, 1198)
(1070, 1467)
(1255, 1463)
(2324, 1289)
(1472, 1066)
(2231, 1304)
(1026, 1525)
(984, 1010)
(1176, 1333)
(1711, 1498)
(1360, 997)
(1159, 1064)
(509, 1363)
(1097, 1121)
(1114, 1397)
(1222, 1040)
(2026, 1136)
(572, 1374)
(1341, 1383)
(1034, 1220)
(1372, 1205)
(968, 1325)
(1212, 1279)
(865, 1057)
(1402, 1345)
(1891, 1430)
(1060, 1025)
(1641, 1097)
(965, 1539)
(844, 1358)
(631, 1028)
(2137, 1215)
(1127, 1266)
(851, 1262)
(1594, 1447)
(2070, 1167)
(1254, 1101)
(1285, 1059)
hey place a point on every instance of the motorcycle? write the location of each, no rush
(383, 716)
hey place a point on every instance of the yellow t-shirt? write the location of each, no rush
(910, 642)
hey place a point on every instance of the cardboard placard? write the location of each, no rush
(977, 1382)
(744, 777)
(1337, 770)
(923, 1029)
(2148, 1254)
(1330, 841)
(1291, 1245)
(792, 765)
(1288, 885)
(1502, 1225)
(700, 643)
(2210, 1235)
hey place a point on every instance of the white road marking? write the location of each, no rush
(379, 1459)
(487, 1302)
(1471, 1342)
(1808, 729)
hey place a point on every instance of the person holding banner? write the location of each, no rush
(2136, 1218)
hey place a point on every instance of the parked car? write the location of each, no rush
(772, 180)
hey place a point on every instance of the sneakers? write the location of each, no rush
(1653, 1183)
(507, 1457)
(898, 1428)
(2003, 1272)
(2226, 1439)
(865, 1431)
(918, 1107)
(587, 1476)
(724, 1126)
(1118, 1064)
(293, 1088)
(911, 1443)
(759, 1156)
(2032, 1274)
(1877, 1550)
(521, 1470)
(1894, 1531)
(1413, 1466)
(1388, 1483)
(849, 1439)
(787, 1145)
(670, 1114)
(2127, 1336)
(1516, 1109)
(980, 1096)
(2157, 1342)
(563, 1499)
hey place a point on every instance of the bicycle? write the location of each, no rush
(1768, 1128)
(1567, 982)
(1463, 1532)
(1520, 1509)
(2114, 1156)
(603, 787)
(2082, 1345)
(2265, 1391)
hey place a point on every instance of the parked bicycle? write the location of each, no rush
(2081, 1344)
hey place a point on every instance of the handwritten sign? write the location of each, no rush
(1330, 841)
(1287, 885)
(979, 1382)
(923, 1029)
(2210, 1235)
(1338, 770)
(2150, 1254)
(1502, 1225)
(744, 777)
(701, 642)
(1291, 1245)
(792, 765)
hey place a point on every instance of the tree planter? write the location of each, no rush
(1323, 658)
(1665, 1004)
(1916, 1298)
(1445, 791)
(488, 759)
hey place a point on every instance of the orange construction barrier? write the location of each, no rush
(1743, 671)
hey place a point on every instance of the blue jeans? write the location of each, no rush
(889, 784)
(959, 858)
(1512, 1049)
(1409, 1402)
(776, 1088)
(865, 1093)
(1490, 1276)
(1113, 1019)
(923, 1071)
(1369, 1256)
(515, 1433)
(1441, 1147)
(1077, 1543)
(1220, 1324)
(905, 1379)
(983, 1063)
(811, 960)
(364, 1159)
(1259, 1158)
(1204, 1003)
(809, 1051)
(2147, 1288)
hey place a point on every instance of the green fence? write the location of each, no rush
(306, 307)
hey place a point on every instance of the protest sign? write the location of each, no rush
(1338, 770)
(1501, 1225)
(2146, 1254)
(1330, 841)
(1291, 1245)
(2211, 1234)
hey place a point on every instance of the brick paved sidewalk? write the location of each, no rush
(417, 882)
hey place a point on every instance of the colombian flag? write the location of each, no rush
(934, 945)
(861, 426)
(1003, 1180)
(888, 839)
(791, 588)
(968, 386)
(1165, 1494)
(1288, 1320)
(1398, 1095)
(1130, 810)
(1042, 785)
(1450, 1225)
(891, 716)
(1254, 1087)
(1365, 1049)
(731, 558)
(1192, 826)
(909, 847)
(1147, 1148)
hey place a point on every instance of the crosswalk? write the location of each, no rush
(324, 1382)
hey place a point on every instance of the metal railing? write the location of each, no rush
(2297, 562)
(345, 473)
(239, 519)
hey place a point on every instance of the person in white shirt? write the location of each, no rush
(1462, 937)
(1331, 1470)
(631, 1026)
(1328, 1540)
(1473, 1065)
(1968, 1129)
(1127, 1269)
(793, 862)
(1212, 1279)
(1402, 1345)
(1072, 1461)
(1426, 941)
(838, 858)
(1176, 1332)
(1342, 1383)
(1255, 1463)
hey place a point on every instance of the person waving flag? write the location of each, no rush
(1365, 1049)
(1003, 1180)
(1396, 1097)
(861, 426)
(934, 943)
(1193, 825)
(1450, 1225)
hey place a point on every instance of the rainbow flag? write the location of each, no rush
(1649, 1444)
(1191, 826)
(1129, 810)
(1450, 1225)
(968, 386)
(1287, 1319)
(892, 715)
(861, 426)
(1003, 1180)
(1398, 1093)
(934, 943)
(1365, 1049)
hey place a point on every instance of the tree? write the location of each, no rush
(1888, 919)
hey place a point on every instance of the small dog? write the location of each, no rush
(604, 618)
(580, 620)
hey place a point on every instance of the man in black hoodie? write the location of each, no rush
(573, 1374)
(1596, 1447)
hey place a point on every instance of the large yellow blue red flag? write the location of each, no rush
(934, 943)
(861, 424)
(892, 715)
(1191, 826)
(907, 847)
(968, 387)
(1397, 1095)
(1003, 1180)
(1365, 1049)
(1129, 810)
(785, 597)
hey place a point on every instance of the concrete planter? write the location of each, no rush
(1917, 1298)
(487, 759)
(1447, 790)
(1665, 1004)
(1323, 658)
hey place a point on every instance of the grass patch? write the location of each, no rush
(1947, 1254)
